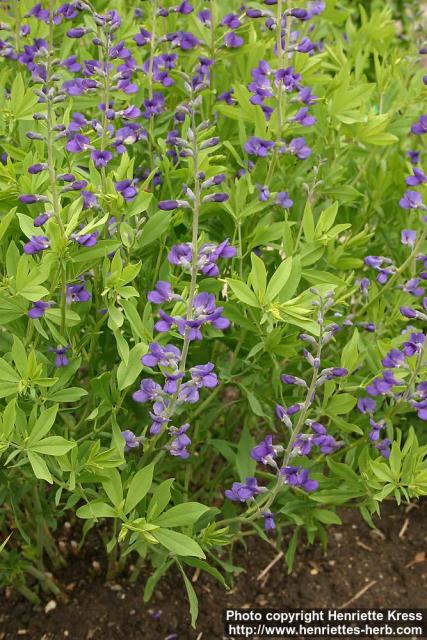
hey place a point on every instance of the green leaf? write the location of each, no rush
(96, 509)
(181, 515)
(128, 373)
(245, 465)
(258, 276)
(243, 292)
(52, 446)
(160, 499)
(279, 279)
(39, 467)
(341, 403)
(350, 353)
(112, 485)
(326, 220)
(139, 487)
(326, 516)
(154, 579)
(308, 223)
(291, 550)
(71, 394)
(178, 543)
(155, 227)
(192, 598)
(43, 424)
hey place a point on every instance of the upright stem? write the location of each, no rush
(401, 269)
(150, 79)
(56, 202)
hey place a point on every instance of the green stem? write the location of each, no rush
(398, 272)
(56, 202)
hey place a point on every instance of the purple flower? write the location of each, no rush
(77, 293)
(154, 106)
(232, 41)
(412, 287)
(231, 20)
(162, 293)
(393, 359)
(127, 189)
(40, 220)
(419, 177)
(142, 38)
(409, 237)
(149, 390)
(384, 447)
(242, 491)
(36, 244)
(269, 523)
(366, 405)
(89, 200)
(414, 344)
(101, 158)
(131, 441)
(420, 127)
(264, 193)
(257, 147)
(203, 375)
(167, 356)
(298, 148)
(304, 118)
(77, 143)
(376, 428)
(407, 312)
(87, 239)
(411, 200)
(76, 32)
(283, 200)
(32, 199)
(264, 452)
(414, 156)
(204, 16)
(61, 359)
(37, 310)
(299, 477)
(181, 441)
(37, 168)
(181, 255)
(170, 205)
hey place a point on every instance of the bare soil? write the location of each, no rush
(361, 568)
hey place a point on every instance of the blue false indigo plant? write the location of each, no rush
(213, 269)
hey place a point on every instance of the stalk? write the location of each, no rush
(56, 202)
(150, 80)
(400, 270)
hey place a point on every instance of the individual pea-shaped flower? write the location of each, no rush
(180, 442)
(411, 200)
(162, 293)
(38, 309)
(86, 239)
(77, 293)
(409, 237)
(264, 451)
(269, 524)
(101, 158)
(149, 390)
(36, 244)
(61, 359)
(243, 491)
(127, 189)
(299, 477)
(131, 441)
(283, 200)
(258, 147)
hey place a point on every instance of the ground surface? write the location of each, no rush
(391, 568)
